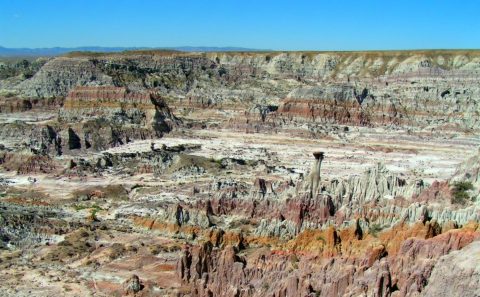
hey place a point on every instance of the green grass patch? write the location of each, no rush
(79, 207)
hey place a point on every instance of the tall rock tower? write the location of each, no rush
(314, 177)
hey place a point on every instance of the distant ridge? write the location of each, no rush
(55, 51)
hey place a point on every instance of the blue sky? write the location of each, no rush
(279, 25)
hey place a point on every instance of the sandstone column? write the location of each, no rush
(314, 178)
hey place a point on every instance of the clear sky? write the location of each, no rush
(269, 24)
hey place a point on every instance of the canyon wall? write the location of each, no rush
(156, 173)
(418, 88)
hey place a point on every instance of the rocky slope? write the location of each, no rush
(346, 259)
(95, 118)
(456, 270)
(240, 174)
(360, 88)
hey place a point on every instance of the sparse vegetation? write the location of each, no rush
(77, 244)
(24, 67)
(375, 229)
(460, 192)
(79, 207)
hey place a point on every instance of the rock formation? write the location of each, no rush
(314, 177)
(157, 173)
(132, 285)
(117, 105)
(456, 274)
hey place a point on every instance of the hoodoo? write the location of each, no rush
(314, 177)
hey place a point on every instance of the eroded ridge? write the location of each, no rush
(240, 174)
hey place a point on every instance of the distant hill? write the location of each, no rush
(55, 51)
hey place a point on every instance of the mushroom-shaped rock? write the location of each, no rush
(314, 177)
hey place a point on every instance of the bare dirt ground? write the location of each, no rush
(410, 155)
(414, 156)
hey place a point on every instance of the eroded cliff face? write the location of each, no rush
(94, 118)
(60, 75)
(127, 114)
(463, 265)
(225, 272)
(424, 88)
(412, 106)
(319, 249)
(241, 174)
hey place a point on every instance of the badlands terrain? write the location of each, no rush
(162, 173)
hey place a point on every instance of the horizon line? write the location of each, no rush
(230, 48)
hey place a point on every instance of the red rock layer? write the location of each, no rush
(371, 270)
(107, 96)
(370, 112)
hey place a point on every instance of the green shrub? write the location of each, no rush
(463, 186)
(460, 189)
